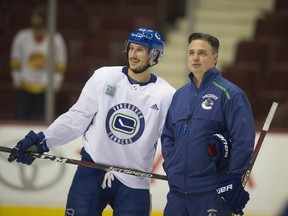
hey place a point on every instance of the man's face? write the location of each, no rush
(137, 56)
(200, 58)
(37, 24)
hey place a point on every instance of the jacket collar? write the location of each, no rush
(208, 78)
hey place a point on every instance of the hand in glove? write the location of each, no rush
(32, 142)
(232, 192)
(219, 146)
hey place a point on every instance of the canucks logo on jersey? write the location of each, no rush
(125, 123)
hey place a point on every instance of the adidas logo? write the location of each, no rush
(154, 106)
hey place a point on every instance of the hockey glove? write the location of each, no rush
(219, 146)
(232, 192)
(32, 142)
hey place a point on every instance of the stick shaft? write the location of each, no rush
(107, 168)
(259, 143)
(262, 135)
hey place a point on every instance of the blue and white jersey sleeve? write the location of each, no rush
(74, 123)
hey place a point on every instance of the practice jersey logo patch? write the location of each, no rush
(110, 90)
(125, 123)
(208, 102)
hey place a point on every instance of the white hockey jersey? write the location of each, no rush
(120, 122)
(29, 61)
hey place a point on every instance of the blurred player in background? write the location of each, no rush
(205, 179)
(120, 114)
(29, 59)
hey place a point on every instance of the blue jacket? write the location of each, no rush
(194, 116)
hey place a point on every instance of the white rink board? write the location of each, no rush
(46, 183)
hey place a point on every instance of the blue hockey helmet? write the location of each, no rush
(149, 38)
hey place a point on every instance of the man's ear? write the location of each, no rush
(216, 59)
(155, 54)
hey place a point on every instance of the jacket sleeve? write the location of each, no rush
(240, 123)
(167, 139)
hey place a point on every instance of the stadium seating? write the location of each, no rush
(267, 52)
(94, 32)
(254, 52)
(272, 26)
(280, 5)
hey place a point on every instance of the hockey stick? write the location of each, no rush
(263, 133)
(259, 143)
(90, 164)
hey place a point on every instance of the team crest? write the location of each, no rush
(125, 123)
(212, 212)
(209, 100)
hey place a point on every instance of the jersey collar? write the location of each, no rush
(153, 78)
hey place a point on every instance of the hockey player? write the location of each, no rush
(29, 62)
(209, 104)
(120, 113)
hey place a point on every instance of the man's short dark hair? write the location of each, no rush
(213, 41)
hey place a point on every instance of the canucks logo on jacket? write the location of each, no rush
(208, 102)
